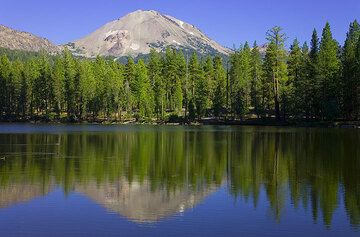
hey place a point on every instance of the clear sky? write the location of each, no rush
(228, 22)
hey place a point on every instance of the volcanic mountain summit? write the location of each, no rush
(140, 31)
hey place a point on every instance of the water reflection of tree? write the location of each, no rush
(310, 168)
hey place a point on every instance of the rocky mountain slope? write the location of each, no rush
(138, 32)
(18, 40)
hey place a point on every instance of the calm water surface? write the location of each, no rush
(178, 181)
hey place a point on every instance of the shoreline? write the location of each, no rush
(203, 122)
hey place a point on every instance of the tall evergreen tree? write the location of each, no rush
(276, 70)
(314, 87)
(157, 80)
(350, 85)
(5, 71)
(357, 83)
(145, 93)
(219, 87)
(58, 77)
(197, 86)
(328, 71)
(208, 68)
(69, 83)
(180, 82)
(130, 85)
(295, 70)
(87, 88)
(241, 81)
(256, 90)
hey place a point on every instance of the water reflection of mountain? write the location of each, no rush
(316, 169)
(20, 193)
(137, 202)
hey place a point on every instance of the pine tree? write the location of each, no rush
(5, 71)
(276, 70)
(314, 86)
(357, 83)
(118, 89)
(173, 82)
(30, 74)
(180, 83)
(328, 72)
(129, 85)
(145, 92)
(87, 88)
(42, 87)
(16, 81)
(349, 80)
(219, 87)
(201, 93)
(302, 87)
(157, 80)
(208, 68)
(256, 90)
(58, 77)
(69, 83)
(295, 70)
(198, 87)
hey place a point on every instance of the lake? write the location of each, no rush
(93, 180)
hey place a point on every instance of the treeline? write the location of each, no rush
(318, 82)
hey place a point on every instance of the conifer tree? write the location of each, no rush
(295, 70)
(328, 71)
(208, 68)
(219, 87)
(5, 71)
(314, 86)
(145, 92)
(69, 83)
(349, 79)
(276, 70)
(87, 88)
(118, 95)
(197, 86)
(157, 80)
(129, 85)
(256, 90)
(180, 82)
(357, 82)
(58, 77)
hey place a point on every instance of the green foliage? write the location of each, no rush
(144, 91)
(350, 79)
(257, 90)
(218, 93)
(317, 83)
(275, 68)
(328, 74)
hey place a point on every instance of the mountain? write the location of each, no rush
(138, 32)
(140, 202)
(18, 40)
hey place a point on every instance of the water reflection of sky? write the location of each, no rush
(218, 215)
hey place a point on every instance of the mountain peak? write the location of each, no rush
(20, 40)
(140, 31)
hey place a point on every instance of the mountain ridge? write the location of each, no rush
(21, 40)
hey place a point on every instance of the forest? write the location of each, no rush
(319, 81)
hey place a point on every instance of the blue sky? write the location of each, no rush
(228, 22)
